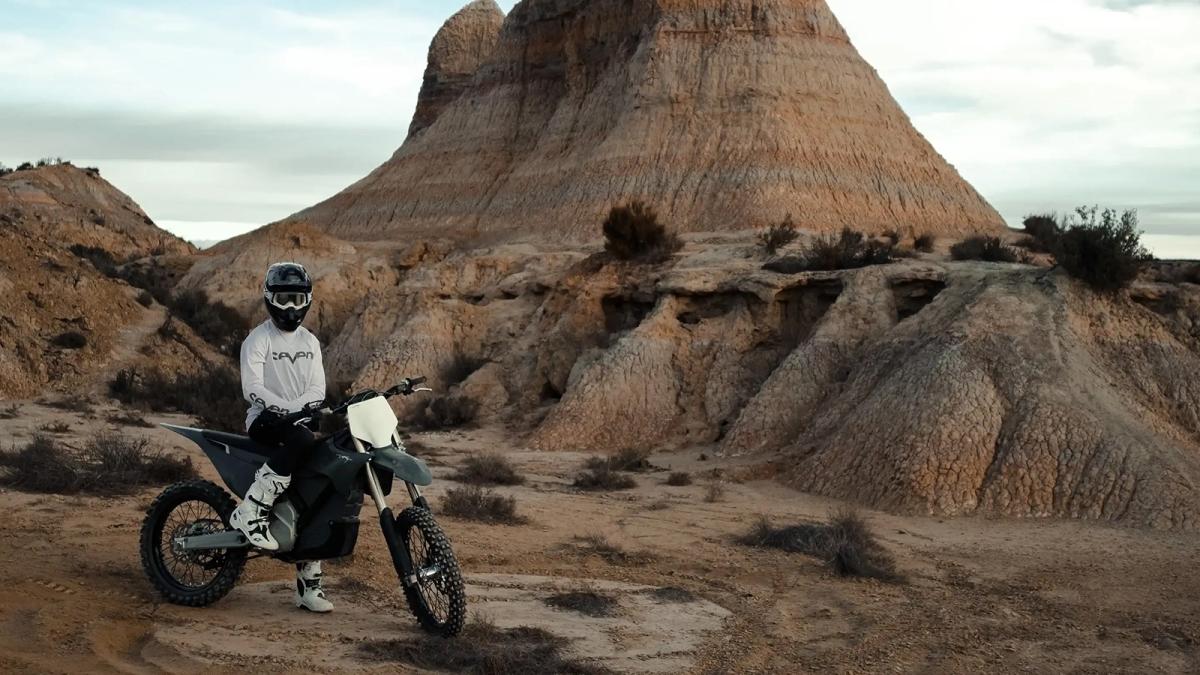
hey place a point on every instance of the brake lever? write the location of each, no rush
(421, 389)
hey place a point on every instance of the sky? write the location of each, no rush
(221, 116)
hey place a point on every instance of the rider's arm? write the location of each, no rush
(315, 393)
(254, 356)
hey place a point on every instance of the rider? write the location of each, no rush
(282, 372)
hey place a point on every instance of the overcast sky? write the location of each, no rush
(220, 116)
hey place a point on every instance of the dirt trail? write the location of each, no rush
(982, 595)
(128, 342)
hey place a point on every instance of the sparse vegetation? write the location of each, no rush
(586, 602)
(778, 236)
(633, 233)
(4, 170)
(70, 340)
(73, 403)
(145, 299)
(845, 543)
(1102, 248)
(636, 460)
(445, 412)
(109, 464)
(484, 649)
(488, 468)
(56, 428)
(475, 503)
(674, 595)
(847, 250)
(10, 412)
(128, 419)
(599, 545)
(213, 395)
(679, 478)
(603, 477)
(714, 493)
(215, 322)
(924, 243)
(1043, 232)
(987, 249)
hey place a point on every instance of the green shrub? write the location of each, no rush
(987, 249)
(843, 251)
(1102, 248)
(778, 235)
(633, 233)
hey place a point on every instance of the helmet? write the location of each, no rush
(287, 291)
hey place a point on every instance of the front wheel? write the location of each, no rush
(438, 598)
(193, 578)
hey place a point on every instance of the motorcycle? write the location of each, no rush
(194, 558)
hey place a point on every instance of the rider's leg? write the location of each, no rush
(309, 594)
(252, 516)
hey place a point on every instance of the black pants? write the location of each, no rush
(293, 444)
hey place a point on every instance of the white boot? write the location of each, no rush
(252, 516)
(308, 588)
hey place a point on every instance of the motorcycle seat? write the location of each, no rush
(240, 442)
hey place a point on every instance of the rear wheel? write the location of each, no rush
(438, 598)
(193, 578)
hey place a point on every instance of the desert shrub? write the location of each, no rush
(475, 503)
(145, 299)
(846, 250)
(43, 466)
(846, 544)
(633, 233)
(74, 403)
(586, 602)
(777, 236)
(92, 171)
(24, 166)
(673, 594)
(630, 459)
(120, 463)
(1102, 248)
(988, 249)
(55, 428)
(489, 468)
(1043, 231)
(215, 322)
(10, 411)
(459, 368)
(603, 477)
(483, 649)
(127, 419)
(70, 340)
(445, 412)
(4, 170)
(213, 395)
(679, 478)
(924, 243)
(599, 546)
(893, 236)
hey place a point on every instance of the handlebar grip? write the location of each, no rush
(412, 382)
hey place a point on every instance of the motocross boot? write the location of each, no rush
(252, 516)
(308, 588)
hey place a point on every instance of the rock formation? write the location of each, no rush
(724, 114)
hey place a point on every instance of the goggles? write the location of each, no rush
(289, 299)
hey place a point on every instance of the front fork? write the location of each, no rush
(401, 559)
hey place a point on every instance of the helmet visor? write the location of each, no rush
(290, 299)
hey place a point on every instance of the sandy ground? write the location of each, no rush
(982, 595)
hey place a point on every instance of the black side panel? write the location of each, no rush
(235, 465)
(330, 528)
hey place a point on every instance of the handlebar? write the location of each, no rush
(407, 387)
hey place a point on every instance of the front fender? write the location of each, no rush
(404, 466)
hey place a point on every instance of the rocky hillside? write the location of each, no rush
(66, 324)
(724, 115)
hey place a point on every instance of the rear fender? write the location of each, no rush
(236, 466)
(403, 465)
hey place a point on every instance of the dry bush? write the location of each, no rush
(633, 233)
(715, 493)
(586, 602)
(215, 322)
(43, 466)
(74, 403)
(599, 545)
(109, 464)
(1043, 231)
(987, 249)
(485, 506)
(845, 543)
(70, 340)
(445, 412)
(459, 368)
(679, 478)
(10, 412)
(602, 477)
(100, 258)
(924, 243)
(145, 299)
(213, 395)
(629, 459)
(483, 649)
(847, 250)
(1102, 249)
(673, 595)
(127, 419)
(778, 235)
(488, 468)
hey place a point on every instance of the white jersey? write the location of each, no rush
(281, 372)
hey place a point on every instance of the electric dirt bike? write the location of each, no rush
(194, 558)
